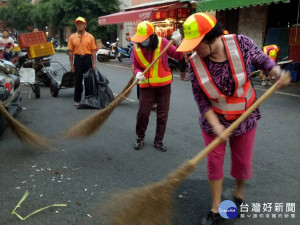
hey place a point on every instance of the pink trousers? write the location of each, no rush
(241, 156)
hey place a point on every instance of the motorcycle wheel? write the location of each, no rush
(37, 91)
(53, 89)
(101, 58)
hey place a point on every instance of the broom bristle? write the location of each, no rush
(149, 205)
(23, 133)
(91, 124)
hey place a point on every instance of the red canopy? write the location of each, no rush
(126, 16)
(136, 15)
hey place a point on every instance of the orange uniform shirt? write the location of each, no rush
(82, 44)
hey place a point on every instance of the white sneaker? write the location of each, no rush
(270, 83)
(264, 83)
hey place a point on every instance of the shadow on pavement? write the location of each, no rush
(192, 202)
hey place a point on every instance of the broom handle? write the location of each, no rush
(149, 67)
(196, 159)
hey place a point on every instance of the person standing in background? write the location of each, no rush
(81, 45)
(8, 43)
(182, 65)
(272, 51)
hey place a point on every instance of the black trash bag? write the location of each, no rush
(97, 93)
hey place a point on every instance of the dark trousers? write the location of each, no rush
(7, 56)
(82, 64)
(181, 64)
(138, 91)
(147, 96)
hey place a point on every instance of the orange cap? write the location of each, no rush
(144, 30)
(80, 19)
(195, 28)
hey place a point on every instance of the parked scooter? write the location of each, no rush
(56, 42)
(9, 91)
(123, 53)
(126, 52)
(112, 52)
(130, 47)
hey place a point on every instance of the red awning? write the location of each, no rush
(136, 15)
(127, 16)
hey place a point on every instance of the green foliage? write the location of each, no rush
(62, 13)
(21, 14)
(17, 14)
(3, 13)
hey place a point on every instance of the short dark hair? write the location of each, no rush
(153, 42)
(217, 31)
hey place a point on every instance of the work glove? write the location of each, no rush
(176, 37)
(140, 76)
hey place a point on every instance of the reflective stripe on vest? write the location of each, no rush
(244, 94)
(236, 63)
(157, 75)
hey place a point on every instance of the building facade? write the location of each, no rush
(167, 15)
(3, 3)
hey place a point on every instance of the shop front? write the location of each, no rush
(248, 17)
(166, 18)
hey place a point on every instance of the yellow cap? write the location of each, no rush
(273, 54)
(81, 19)
(195, 28)
(144, 30)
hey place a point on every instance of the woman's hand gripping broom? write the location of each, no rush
(91, 124)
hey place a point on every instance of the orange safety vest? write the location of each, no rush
(157, 76)
(244, 94)
(272, 51)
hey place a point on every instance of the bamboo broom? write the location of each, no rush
(151, 205)
(23, 133)
(91, 124)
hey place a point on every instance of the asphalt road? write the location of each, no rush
(85, 173)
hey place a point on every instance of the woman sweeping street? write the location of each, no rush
(155, 84)
(219, 70)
